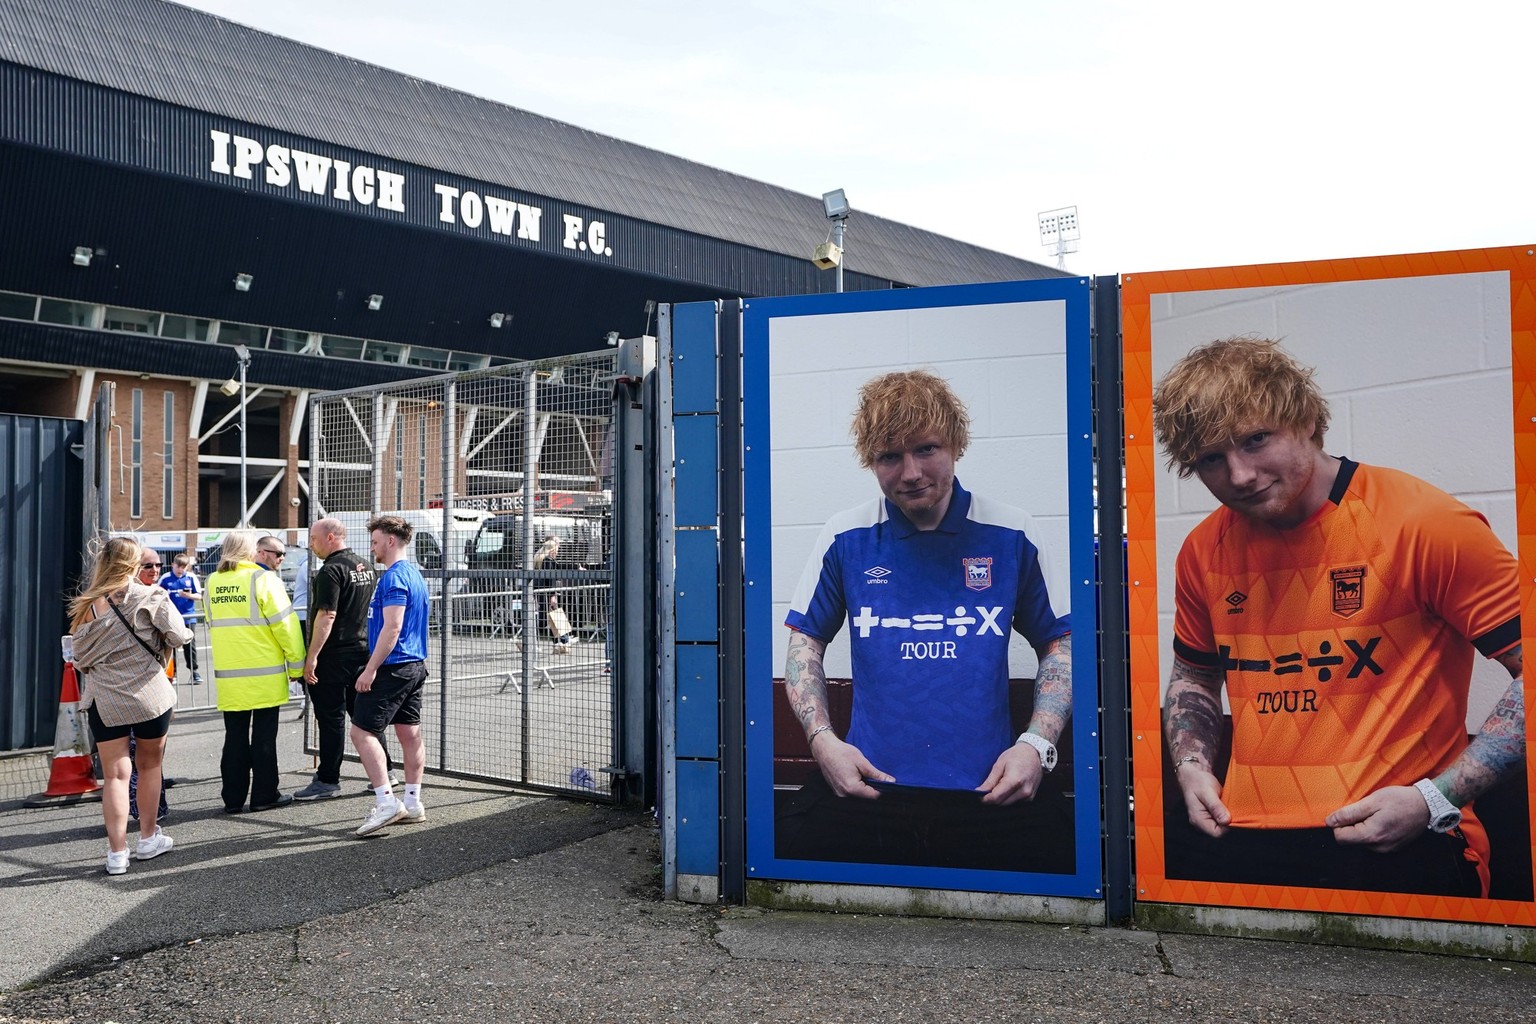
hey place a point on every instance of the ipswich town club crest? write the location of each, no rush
(1348, 589)
(978, 573)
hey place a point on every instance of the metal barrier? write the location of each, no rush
(506, 476)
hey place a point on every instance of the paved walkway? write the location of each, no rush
(517, 908)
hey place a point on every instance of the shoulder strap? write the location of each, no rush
(133, 632)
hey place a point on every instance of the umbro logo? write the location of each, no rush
(1236, 599)
(877, 575)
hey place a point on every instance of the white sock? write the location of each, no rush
(383, 795)
(413, 792)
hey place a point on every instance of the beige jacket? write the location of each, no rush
(117, 675)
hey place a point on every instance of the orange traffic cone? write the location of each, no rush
(71, 773)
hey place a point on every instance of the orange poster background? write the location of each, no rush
(1147, 667)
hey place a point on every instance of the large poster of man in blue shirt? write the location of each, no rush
(914, 658)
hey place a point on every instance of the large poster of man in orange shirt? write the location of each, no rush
(1341, 675)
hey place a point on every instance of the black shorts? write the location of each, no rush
(395, 698)
(150, 730)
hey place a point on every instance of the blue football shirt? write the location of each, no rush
(929, 614)
(401, 584)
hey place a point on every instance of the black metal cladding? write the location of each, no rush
(178, 56)
(176, 246)
(62, 115)
(40, 543)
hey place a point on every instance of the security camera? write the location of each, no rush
(828, 255)
(230, 387)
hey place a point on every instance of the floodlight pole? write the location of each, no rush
(837, 239)
(244, 356)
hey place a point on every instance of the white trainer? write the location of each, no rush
(117, 862)
(381, 815)
(413, 811)
(154, 846)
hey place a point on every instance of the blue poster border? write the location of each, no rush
(1075, 293)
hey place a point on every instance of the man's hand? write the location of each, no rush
(1015, 776)
(1202, 800)
(364, 680)
(309, 669)
(845, 767)
(1385, 820)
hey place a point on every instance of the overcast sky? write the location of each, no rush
(1187, 134)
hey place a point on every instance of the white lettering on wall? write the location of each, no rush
(448, 194)
(220, 163)
(278, 172)
(528, 222)
(317, 174)
(248, 153)
(313, 171)
(342, 170)
(471, 210)
(391, 191)
(362, 184)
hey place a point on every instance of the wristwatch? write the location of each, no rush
(1443, 815)
(1044, 747)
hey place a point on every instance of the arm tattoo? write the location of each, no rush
(1498, 751)
(805, 682)
(1192, 712)
(1053, 689)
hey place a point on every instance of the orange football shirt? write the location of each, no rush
(1347, 641)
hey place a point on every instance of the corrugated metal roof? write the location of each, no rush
(172, 53)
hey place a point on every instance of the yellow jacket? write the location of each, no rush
(255, 635)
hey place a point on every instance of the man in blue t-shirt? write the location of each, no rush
(181, 583)
(389, 686)
(930, 580)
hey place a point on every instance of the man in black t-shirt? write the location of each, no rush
(338, 646)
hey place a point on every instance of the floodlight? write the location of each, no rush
(375, 301)
(82, 255)
(243, 282)
(836, 204)
(497, 319)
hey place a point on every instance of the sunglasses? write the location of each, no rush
(269, 551)
(149, 565)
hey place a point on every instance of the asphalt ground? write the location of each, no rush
(521, 908)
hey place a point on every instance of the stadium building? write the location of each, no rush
(176, 185)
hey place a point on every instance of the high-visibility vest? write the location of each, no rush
(256, 637)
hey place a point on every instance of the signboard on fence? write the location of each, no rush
(920, 589)
(1311, 638)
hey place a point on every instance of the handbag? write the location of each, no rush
(134, 633)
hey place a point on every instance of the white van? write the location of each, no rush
(429, 549)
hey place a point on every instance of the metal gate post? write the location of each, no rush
(631, 634)
(530, 609)
(376, 499)
(1114, 692)
(449, 430)
(733, 717)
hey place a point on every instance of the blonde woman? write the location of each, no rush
(548, 557)
(257, 648)
(124, 632)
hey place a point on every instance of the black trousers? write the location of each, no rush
(332, 695)
(249, 762)
(1433, 864)
(930, 828)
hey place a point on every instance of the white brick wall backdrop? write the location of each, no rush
(1006, 362)
(1417, 373)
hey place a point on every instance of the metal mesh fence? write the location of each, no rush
(506, 476)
